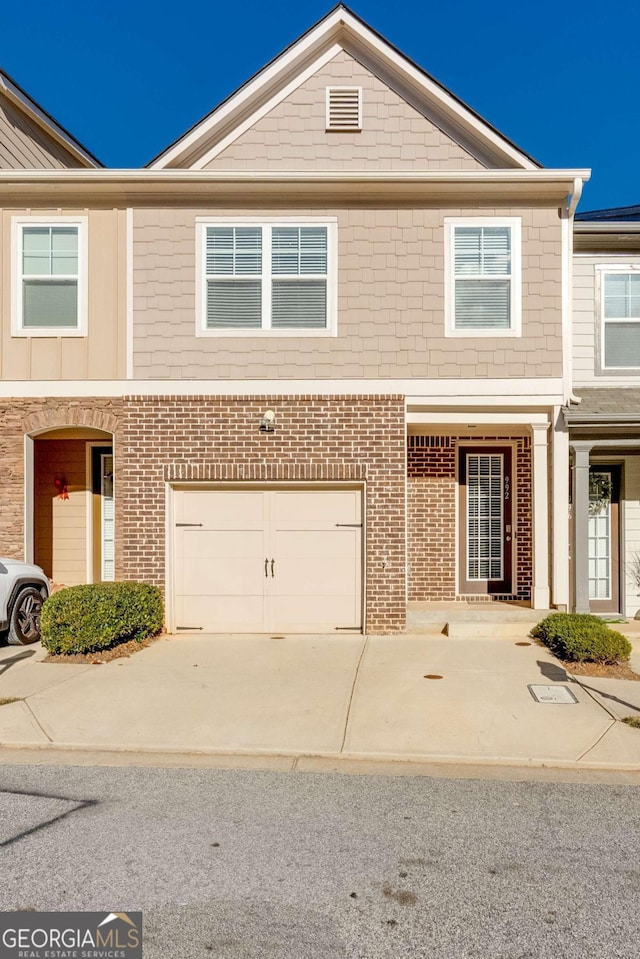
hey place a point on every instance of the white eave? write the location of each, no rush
(132, 184)
(46, 122)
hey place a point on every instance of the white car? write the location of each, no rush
(23, 589)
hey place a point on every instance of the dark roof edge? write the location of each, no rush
(51, 118)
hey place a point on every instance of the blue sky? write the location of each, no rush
(127, 77)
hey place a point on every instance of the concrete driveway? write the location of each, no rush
(347, 696)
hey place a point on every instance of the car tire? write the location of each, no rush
(24, 621)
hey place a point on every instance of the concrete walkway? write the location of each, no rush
(324, 696)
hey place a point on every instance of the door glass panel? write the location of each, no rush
(106, 498)
(599, 537)
(485, 481)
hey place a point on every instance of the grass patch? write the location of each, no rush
(10, 699)
(632, 721)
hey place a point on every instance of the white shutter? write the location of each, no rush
(344, 108)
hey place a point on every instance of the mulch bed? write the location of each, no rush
(599, 669)
(103, 655)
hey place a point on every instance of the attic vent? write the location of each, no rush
(344, 108)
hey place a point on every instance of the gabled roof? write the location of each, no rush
(50, 126)
(616, 214)
(340, 28)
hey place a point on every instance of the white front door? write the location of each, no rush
(285, 560)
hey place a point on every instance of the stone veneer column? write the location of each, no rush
(540, 594)
(581, 453)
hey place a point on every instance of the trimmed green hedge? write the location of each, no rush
(581, 637)
(83, 619)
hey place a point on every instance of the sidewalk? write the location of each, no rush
(341, 697)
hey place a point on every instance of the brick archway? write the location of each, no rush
(69, 416)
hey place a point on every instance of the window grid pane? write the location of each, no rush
(482, 276)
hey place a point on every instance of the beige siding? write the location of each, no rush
(25, 146)
(102, 353)
(390, 304)
(394, 135)
(61, 524)
(586, 323)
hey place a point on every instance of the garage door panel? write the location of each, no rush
(294, 614)
(324, 545)
(221, 613)
(222, 509)
(218, 545)
(317, 508)
(219, 567)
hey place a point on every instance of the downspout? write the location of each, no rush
(575, 196)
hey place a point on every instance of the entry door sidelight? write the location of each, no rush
(604, 540)
(485, 520)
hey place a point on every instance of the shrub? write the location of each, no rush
(83, 619)
(580, 637)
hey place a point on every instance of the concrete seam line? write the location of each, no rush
(353, 689)
(598, 740)
(586, 689)
(37, 721)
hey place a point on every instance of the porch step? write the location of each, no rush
(489, 630)
(469, 620)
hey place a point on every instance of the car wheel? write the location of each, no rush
(24, 622)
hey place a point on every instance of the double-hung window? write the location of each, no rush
(482, 268)
(267, 277)
(49, 295)
(620, 309)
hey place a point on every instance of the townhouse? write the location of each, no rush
(313, 363)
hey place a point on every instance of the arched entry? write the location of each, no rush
(70, 512)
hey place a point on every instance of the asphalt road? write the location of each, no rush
(264, 865)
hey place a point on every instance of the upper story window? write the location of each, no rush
(482, 271)
(49, 294)
(621, 319)
(266, 277)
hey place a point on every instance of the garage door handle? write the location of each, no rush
(266, 567)
(273, 563)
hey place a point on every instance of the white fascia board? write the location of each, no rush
(136, 177)
(437, 418)
(265, 78)
(266, 108)
(27, 105)
(420, 393)
(328, 30)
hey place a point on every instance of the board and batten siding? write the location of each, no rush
(101, 354)
(25, 146)
(390, 302)
(586, 322)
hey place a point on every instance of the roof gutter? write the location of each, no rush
(575, 195)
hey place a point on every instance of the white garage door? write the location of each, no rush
(286, 560)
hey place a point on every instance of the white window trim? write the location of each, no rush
(17, 223)
(515, 223)
(602, 270)
(351, 129)
(332, 274)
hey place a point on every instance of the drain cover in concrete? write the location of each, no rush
(552, 694)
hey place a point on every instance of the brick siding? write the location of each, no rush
(431, 516)
(317, 438)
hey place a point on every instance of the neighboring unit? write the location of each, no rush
(604, 426)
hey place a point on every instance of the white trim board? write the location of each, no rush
(451, 392)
